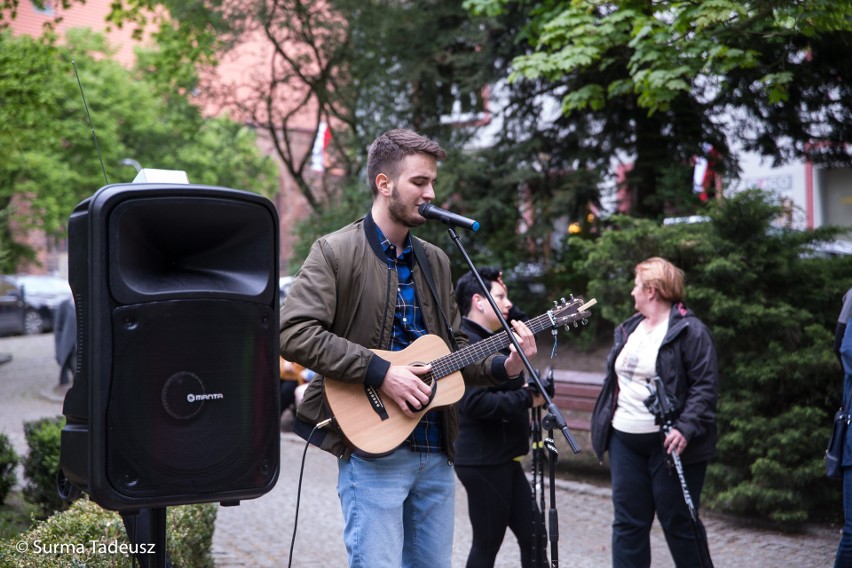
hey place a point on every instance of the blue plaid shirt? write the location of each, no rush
(408, 326)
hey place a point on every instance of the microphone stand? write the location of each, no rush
(552, 409)
(539, 532)
(552, 513)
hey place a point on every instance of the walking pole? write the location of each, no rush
(665, 412)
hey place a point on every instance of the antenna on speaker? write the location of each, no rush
(92, 126)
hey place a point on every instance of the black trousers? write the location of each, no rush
(499, 497)
(643, 484)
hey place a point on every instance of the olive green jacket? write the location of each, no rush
(341, 305)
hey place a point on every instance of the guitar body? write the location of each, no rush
(374, 428)
(375, 433)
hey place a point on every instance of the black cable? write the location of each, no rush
(299, 494)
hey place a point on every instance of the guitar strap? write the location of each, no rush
(423, 261)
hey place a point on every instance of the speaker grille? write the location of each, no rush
(193, 400)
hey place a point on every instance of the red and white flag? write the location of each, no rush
(320, 145)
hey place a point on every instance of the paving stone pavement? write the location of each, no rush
(258, 532)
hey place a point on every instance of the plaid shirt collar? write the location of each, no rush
(391, 252)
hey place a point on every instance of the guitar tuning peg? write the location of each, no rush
(571, 296)
(555, 304)
(585, 321)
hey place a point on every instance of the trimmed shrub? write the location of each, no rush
(88, 535)
(8, 462)
(42, 463)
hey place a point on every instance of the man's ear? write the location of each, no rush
(384, 184)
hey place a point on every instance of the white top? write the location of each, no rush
(635, 368)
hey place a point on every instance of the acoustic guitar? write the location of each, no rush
(374, 428)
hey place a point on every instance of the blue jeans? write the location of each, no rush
(398, 509)
(844, 549)
(642, 486)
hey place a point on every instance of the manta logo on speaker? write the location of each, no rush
(183, 395)
(195, 397)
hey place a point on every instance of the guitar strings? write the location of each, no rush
(451, 362)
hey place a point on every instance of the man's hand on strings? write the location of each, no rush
(404, 386)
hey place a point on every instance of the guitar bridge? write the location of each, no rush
(376, 402)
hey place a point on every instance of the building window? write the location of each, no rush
(43, 7)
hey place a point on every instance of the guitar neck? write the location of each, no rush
(452, 362)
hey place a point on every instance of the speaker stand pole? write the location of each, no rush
(158, 536)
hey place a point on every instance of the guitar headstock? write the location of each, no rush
(573, 310)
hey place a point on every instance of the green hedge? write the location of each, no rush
(88, 535)
(42, 463)
(8, 463)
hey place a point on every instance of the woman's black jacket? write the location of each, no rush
(687, 365)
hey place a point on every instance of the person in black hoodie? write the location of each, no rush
(494, 434)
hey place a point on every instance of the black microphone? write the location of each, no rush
(434, 212)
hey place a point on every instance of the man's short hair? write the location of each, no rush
(389, 150)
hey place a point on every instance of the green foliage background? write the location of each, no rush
(42, 462)
(8, 462)
(50, 160)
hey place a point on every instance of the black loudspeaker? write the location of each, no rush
(175, 399)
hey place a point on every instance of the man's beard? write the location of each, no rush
(399, 212)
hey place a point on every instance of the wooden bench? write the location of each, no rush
(575, 394)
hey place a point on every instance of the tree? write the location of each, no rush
(54, 163)
(358, 67)
(771, 306)
(658, 79)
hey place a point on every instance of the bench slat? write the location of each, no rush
(576, 393)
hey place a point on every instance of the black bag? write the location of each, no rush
(834, 451)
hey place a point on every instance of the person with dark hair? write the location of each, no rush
(494, 434)
(667, 340)
(369, 286)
